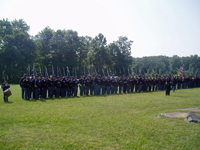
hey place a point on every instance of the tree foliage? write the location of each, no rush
(65, 48)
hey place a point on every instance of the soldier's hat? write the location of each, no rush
(24, 74)
(58, 77)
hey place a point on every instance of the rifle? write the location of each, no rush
(40, 70)
(53, 71)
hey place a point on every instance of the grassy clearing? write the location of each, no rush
(126, 121)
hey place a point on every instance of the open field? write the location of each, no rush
(126, 121)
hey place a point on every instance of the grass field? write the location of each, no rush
(126, 121)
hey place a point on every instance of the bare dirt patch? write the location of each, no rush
(174, 115)
(192, 109)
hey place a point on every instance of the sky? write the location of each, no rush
(156, 27)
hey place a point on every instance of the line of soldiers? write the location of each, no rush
(38, 87)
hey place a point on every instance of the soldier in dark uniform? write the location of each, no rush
(173, 84)
(84, 78)
(116, 86)
(112, 85)
(136, 83)
(70, 86)
(143, 84)
(57, 87)
(37, 87)
(120, 83)
(44, 86)
(186, 82)
(21, 84)
(108, 84)
(149, 84)
(140, 83)
(168, 85)
(103, 84)
(98, 85)
(162, 82)
(95, 84)
(64, 85)
(87, 85)
(132, 84)
(153, 82)
(92, 85)
(5, 86)
(124, 84)
(75, 85)
(81, 85)
(128, 84)
(51, 87)
(159, 83)
(27, 87)
(40, 88)
(164, 79)
(32, 85)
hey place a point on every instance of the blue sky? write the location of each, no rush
(157, 27)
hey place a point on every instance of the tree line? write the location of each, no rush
(81, 54)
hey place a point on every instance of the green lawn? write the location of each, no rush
(126, 121)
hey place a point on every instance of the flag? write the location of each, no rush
(181, 69)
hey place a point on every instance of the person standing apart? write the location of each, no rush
(5, 86)
(168, 85)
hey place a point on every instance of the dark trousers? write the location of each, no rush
(23, 91)
(153, 86)
(75, 90)
(128, 88)
(81, 90)
(112, 89)
(36, 93)
(149, 88)
(167, 90)
(140, 88)
(95, 89)
(103, 89)
(132, 87)
(91, 89)
(27, 93)
(57, 94)
(98, 89)
(136, 88)
(63, 92)
(5, 98)
(87, 88)
(108, 89)
(69, 92)
(116, 89)
(124, 88)
(51, 92)
(120, 89)
(44, 93)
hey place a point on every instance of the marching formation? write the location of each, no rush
(61, 86)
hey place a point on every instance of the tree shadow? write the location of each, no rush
(9, 102)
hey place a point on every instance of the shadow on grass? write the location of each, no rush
(179, 96)
(35, 100)
(9, 102)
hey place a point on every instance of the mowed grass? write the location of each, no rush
(126, 121)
